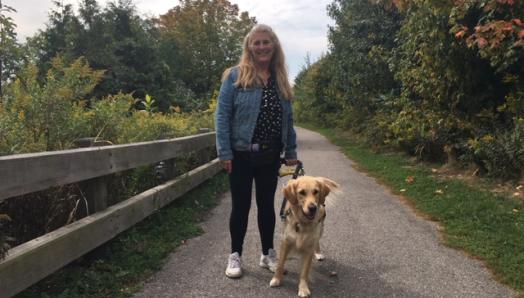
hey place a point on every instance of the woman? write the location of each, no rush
(254, 125)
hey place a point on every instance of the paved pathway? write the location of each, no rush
(375, 244)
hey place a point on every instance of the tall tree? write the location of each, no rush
(9, 48)
(208, 35)
(361, 40)
(57, 37)
(114, 39)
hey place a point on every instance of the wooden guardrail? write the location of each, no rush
(25, 173)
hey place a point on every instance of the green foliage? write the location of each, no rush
(493, 28)
(344, 87)
(501, 154)
(51, 115)
(206, 36)
(316, 98)
(46, 116)
(10, 50)
(361, 39)
(114, 39)
(107, 117)
(177, 59)
(428, 77)
(149, 104)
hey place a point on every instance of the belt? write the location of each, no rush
(261, 146)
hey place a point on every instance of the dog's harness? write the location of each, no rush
(299, 171)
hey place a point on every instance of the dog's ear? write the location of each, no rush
(326, 186)
(290, 192)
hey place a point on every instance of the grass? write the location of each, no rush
(120, 267)
(487, 226)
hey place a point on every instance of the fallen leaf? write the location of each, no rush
(519, 187)
(516, 194)
(332, 273)
(410, 179)
(439, 191)
(515, 210)
(403, 190)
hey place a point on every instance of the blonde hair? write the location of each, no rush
(247, 74)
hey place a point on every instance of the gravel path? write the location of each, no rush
(376, 245)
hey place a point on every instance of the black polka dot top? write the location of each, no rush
(269, 122)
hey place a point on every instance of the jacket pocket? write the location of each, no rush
(244, 99)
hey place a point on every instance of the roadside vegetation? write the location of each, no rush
(439, 80)
(439, 83)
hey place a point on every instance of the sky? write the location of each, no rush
(301, 25)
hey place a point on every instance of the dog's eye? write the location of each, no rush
(302, 192)
(315, 192)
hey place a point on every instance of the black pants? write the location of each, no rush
(241, 181)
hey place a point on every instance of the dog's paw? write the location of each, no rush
(275, 282)
(319, 257)
(304, 292)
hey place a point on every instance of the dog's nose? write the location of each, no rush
(312, 208)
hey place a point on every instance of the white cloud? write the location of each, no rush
(301, 25)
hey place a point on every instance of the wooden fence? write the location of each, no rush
(21, 174)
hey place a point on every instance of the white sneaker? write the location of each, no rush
(234, 263)
(270, 260)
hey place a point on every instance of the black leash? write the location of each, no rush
(299, 171)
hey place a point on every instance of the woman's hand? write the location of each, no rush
(291, 162)
(227, 165)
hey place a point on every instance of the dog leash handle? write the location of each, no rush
(299, 171)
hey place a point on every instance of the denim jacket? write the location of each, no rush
(236, 117)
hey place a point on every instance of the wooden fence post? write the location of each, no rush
(95, 189)
(203, 156)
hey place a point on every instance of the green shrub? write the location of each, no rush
(501, 154)
(50, 115)
(46, 116)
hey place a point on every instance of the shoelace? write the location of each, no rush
(234, 262)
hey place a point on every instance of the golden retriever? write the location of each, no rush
(305, 213)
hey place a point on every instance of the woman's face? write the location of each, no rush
(261, 47)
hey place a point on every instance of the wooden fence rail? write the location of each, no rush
(28, 263)
(26, 173)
